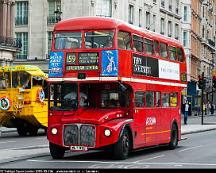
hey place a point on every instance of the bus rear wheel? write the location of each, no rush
(56, 151)
(33, 131)
(122, 147)
(174, 137)
(22, 131)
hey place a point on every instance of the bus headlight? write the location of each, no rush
(54, 131)
(107, 132)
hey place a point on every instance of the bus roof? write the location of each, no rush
(88, 23)
(31, 69)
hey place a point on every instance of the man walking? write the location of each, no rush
(186, 109)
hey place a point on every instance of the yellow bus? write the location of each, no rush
(23, 103)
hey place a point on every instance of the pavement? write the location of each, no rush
(9, 155)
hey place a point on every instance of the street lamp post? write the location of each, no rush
(213, 53)
(58, 15)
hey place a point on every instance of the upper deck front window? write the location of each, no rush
(99, 39)
(68, 40)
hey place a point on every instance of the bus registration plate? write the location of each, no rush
(78, 148)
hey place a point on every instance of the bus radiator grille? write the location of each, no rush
(87, 135)
(84, 135)
(71, 135)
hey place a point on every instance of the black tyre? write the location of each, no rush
(57, 152)
(33, 131)
(22, 131)
(174, 137)
(122, 147)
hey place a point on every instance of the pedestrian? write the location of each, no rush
(212, 108)
(186, 109)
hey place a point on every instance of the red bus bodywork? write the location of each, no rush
(145, 125)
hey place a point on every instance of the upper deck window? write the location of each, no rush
(138, 43)
(68, 40)
(99, 39)
(124, 40)
(148, 44)
(172, 53)
(157, 48)
(180, 55)
(163, 50)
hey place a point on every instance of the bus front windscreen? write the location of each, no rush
(99, 39)
(68, 40)
(63, 96)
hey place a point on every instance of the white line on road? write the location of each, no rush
(7, 142)
(136, 163)
(151, 158)
(191, 148)
(76, 161)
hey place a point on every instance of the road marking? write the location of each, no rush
(77, 161)
(151, 158)
(29, 147)
(191, 148)
(7, 142)
(130, 163)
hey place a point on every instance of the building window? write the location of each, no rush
(21, 13)
(140, 17)
(170, 5)
(147, 20)
(23, 37)
(169, 28)
(49, 41)
(52, 7)
(163, 3)
(185, 39)
(177, 6)
(162, 26)
(104, 8)
(185, 16)
(154, 22)
(176, 31)
(131, 14)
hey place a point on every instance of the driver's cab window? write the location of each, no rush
(63, 96)
(83, 96)
(110, 99)
(21, 79)
(5, 80)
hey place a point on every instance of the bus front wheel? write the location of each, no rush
(174, 137)
(57, 152)
(122, 147)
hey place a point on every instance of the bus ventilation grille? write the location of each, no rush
(84, 135)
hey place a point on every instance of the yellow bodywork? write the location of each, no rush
(25, 103)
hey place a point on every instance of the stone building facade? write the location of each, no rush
(9, 46)
(35, 20)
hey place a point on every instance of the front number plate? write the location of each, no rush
(78, 148)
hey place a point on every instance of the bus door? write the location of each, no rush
(165, 117)
(139, 119)
(152, 123)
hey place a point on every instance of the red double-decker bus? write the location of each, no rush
(113, 86)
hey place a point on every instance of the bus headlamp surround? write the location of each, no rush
(54, 131)
(107, 132)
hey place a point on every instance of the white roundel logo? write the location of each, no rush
(4, 104)
(150, 121)
(41, 95)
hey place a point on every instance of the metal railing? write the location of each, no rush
(10, 42)
(51, 19)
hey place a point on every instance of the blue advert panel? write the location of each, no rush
(109, 63)
(56, 64)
